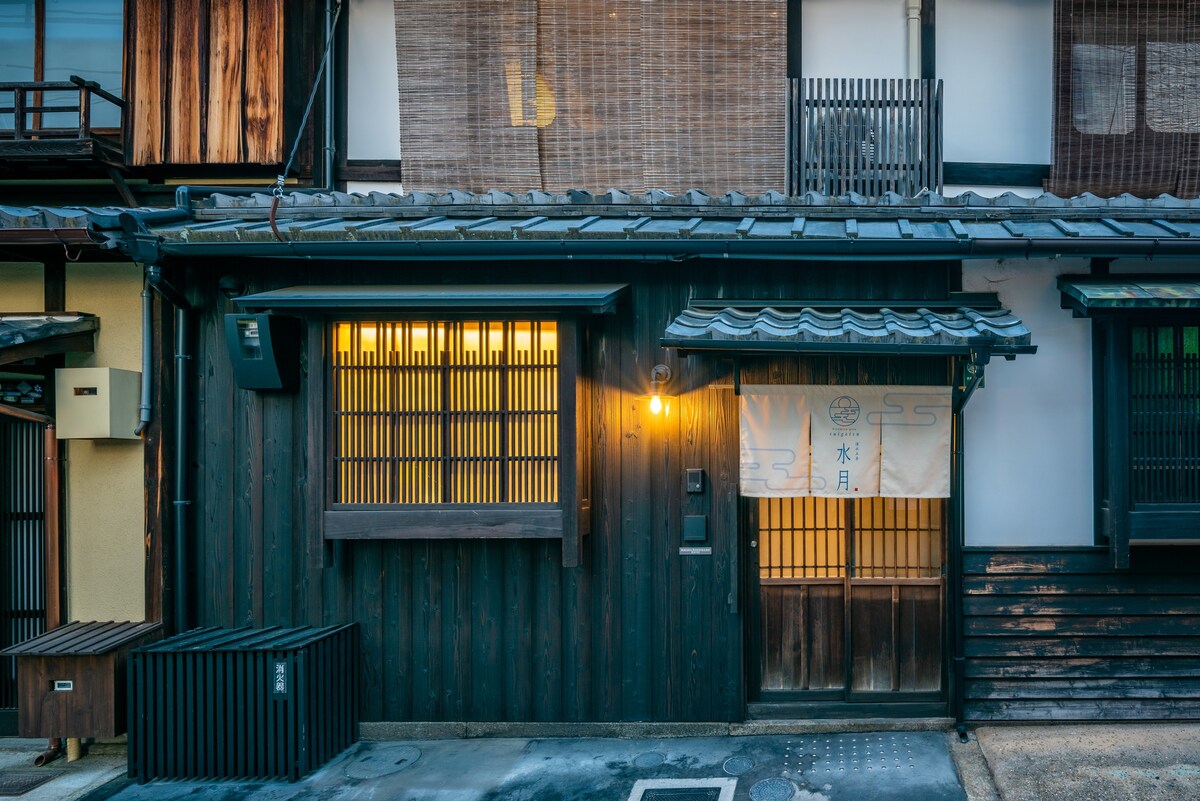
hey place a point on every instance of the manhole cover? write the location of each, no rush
(381, 761)
(21, 783)
(683, 794)
(736, 766)
(772, 790)
(650, 759)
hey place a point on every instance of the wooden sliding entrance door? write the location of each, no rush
(850, 605)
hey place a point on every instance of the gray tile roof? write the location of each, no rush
(650, 225)
(810, 329)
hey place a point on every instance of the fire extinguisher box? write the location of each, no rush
(71, 681)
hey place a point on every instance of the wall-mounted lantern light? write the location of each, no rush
(659, 400)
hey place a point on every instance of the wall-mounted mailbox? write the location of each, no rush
(264, 350)
(695, 528)
(96, 403)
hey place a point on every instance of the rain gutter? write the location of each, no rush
(681, 249)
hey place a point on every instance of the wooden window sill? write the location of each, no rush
(451, 523)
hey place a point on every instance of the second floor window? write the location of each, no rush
(51, 40)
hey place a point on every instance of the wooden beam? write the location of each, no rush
(66, 343)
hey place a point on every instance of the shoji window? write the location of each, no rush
(446, 412)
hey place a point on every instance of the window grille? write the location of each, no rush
(1164, 410)
(445, 412)
(865, 136)
(811, 537)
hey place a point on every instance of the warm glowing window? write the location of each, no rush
(446, 412)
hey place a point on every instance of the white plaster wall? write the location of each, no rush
(995, 58)
(1028, 431)
(953, 190)
(366, 187)
(373, 113)
(853, 39)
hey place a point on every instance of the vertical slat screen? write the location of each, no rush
(892, 537)
(22, 545)
(446, 412)
(1127, 97)
(594, 94)
(898, 537)
(801, 538)
(1165, 414)
(868, 136)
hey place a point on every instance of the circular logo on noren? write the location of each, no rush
(844, 410)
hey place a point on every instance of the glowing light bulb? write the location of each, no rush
(656, 404)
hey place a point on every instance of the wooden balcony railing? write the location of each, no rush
(26, 107)
(868, 136)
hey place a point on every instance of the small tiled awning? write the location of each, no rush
(591, 298)
(30, 336)
(1087, 295)
(848, 330)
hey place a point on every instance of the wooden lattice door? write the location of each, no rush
(850, 599)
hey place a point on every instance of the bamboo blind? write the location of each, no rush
(1127, 97)
(804, 538)
(445, 412)
(559, 94)
(1165, 414)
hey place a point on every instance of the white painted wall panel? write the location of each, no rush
(1028, 432)
(853, 39)
(995, 58)
(373, 111)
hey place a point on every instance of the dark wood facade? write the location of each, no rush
(499, 629)
(1057, 634)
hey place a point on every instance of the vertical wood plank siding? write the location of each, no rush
(498, 629)
(207, 82)
(1056, 634)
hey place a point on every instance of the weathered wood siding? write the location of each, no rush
(205, 82)
(498, 629)
(1056, 634)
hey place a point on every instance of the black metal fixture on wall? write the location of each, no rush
(264, 350)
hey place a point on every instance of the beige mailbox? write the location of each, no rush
(96, 403)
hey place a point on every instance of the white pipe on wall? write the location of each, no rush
(912, 12)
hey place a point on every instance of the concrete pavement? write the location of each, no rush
(1113, 762)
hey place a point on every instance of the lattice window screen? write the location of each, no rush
(594, 94)
(1127, 97)
(462, 412)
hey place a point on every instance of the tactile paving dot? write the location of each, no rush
(854, 754)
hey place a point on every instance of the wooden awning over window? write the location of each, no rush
(587, 298)
(1088, 295)
(31, 336)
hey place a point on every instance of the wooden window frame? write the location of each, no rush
(1120, 521)
(568, 519)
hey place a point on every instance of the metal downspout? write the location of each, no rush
(183, 594)
(181, 609)
(958, 539)
(147, 359)
(327, 132)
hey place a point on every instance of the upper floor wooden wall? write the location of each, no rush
(205, 82)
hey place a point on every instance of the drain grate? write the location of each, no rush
(12, 784)
(683, 794)
(683, 790)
